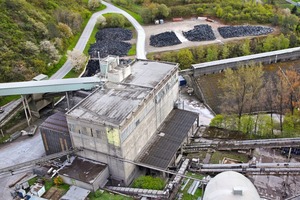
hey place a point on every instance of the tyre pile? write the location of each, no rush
(119, 34)
(201, 32)
(164, 39)
(92, 68)
(109, 41)
(240, 31)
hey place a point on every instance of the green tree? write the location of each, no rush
(163, 11)
(240, 89)
(225, 51)
(94, 4)
(245, 47)
(115, 20)
(212, 53)
(185, 58)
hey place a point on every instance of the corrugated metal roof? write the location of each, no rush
(173, 131)
(111, 105)
(83, 170)
(56, 122)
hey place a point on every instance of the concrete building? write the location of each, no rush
(85, 173)
(118, 120)
(55, 134)
(230, 185)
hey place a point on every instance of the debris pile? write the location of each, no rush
(240, 31)
(110, 42)
(164, 39)
(201, 32)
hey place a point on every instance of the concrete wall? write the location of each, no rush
(55, 142)
(94, 138)
(150, 118)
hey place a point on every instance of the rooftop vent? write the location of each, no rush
(161, 134)
(238, 191)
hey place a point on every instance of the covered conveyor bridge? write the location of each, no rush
(48, 86)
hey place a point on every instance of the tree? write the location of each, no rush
(47, 47)
(245, 47)
(101, 21)
(93, 4)
(185, 58)
(58, 181)
(163, 11)
(294, 10)
(240, 88)
(225, 51)
(31, 48)
(291, 83)
(65, 30)
(77, 58)
(212, 53)
(115, 20)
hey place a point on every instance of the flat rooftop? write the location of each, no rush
(83, 170)
(116, 101)
(148, 73)
(164, 145)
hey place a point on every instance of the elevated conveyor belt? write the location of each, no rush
(48, 86)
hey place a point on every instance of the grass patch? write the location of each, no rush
(7, 99)
(219, 155)
(198, 193)
(98, 195)
(72, 74)
(136, 16)
(132, 51)
(57, 66)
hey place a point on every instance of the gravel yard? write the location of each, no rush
(184, 26)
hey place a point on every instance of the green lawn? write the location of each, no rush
(219, 155)
(198, 192)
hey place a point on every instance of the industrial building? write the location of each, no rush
(120, 119)
(230, 185)
(85, 174)
(55, 134)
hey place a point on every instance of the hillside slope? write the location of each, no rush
(33, 33)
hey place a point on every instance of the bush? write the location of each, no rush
(149, 182)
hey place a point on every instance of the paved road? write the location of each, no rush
(24, 149)
(140, 47)
(291, 2)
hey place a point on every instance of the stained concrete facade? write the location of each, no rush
(119, 119)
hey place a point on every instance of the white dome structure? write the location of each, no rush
(230, 185)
